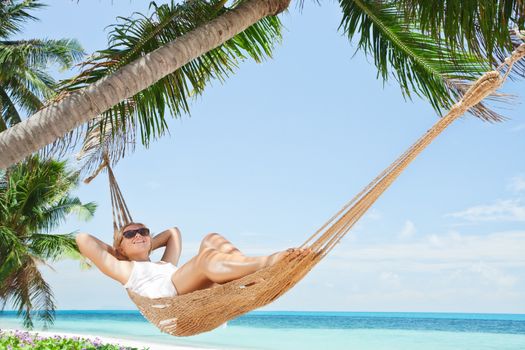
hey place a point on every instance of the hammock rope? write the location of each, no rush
(204, 310)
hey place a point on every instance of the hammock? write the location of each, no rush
(206, 309)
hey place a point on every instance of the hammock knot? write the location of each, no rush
(105, 163)
(484, 86)
(518, 53)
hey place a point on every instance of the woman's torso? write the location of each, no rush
(151, 279)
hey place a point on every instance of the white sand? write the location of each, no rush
(107, 340)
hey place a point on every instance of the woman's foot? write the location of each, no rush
(274, 258)
(294, 252)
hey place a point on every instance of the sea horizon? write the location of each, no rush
(273, 330)
(306, 311)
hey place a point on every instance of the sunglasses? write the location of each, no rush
(143, 231)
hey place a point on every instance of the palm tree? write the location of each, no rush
(143, 115)
(34, 199)
(432, 48)
(24, 82)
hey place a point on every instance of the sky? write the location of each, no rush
(268, 156)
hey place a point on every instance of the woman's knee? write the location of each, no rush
(207, 241)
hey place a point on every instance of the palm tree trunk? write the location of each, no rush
(57, 119)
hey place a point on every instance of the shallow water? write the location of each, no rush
(313, 330)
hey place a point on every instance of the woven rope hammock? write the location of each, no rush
(204, 310)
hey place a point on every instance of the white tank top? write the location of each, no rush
(152, 280)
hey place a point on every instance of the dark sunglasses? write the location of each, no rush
(143, 231)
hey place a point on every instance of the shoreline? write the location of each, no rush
(110, 340)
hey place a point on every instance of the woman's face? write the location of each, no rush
(137, 246)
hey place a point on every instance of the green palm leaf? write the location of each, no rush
(24, 82)
(35, 198)
(14, 13)
(484, 27)
(28, 292)
(419, 63)
(41, 52)
(144, 115)
(52, 247)
(50, 217)
(8, 113)
(24, 91)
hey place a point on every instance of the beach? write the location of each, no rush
(107, 340)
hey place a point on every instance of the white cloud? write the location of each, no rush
(408, 230)
(493, 276)
(390, 280)
(440, 272)
(502, 210)
(517, 183)
(436, 252)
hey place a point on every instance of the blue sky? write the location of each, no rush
(268, 156)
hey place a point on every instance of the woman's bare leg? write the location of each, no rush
(218, 242)
(189, 277)
(213, 266)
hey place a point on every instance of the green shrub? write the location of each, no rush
(32, 341)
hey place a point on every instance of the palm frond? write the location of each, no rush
(24, 91)
(24, 82)
(144, 115)
(486, 28)
(41, 193)
(14, 13)
(40, 53)
(51, 216)
(32, 293)
(419, 63)
(10, 264)
(35, 195)
(53, 246)
(8, 113)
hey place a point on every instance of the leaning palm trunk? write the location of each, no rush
(55, 120)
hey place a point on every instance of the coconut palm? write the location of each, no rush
(432, 48)
(34, 200)
(143, 115)
(24, 81)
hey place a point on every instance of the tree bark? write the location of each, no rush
(55, 120)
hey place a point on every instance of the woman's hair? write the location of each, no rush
(119, 235)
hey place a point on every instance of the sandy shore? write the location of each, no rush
(108, 340)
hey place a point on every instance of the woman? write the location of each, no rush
(128, 261)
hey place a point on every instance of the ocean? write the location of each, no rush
(312, 330)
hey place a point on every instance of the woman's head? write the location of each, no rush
(133, 241)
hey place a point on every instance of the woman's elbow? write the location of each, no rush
(82, 239)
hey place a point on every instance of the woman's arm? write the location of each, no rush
(171, 239)
(104, 257)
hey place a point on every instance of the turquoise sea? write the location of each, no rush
(313, 330)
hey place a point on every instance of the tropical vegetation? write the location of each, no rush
(25, 83)
(34, 195)
(432, 48)
(33, 341)
(35, 198)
